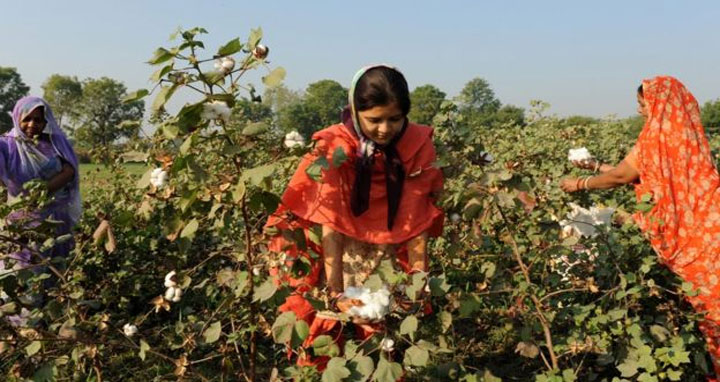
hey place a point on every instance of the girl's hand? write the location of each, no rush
(588, 164)
(570, 184)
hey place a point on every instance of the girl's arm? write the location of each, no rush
(65, 176)
(332, 243)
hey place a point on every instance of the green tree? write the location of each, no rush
(12, 88)
(63, 93)
(478, 103)
(325, 99)
(710, 114)
(319, 107)
(280, 97)
(426, 101)
(510, 114)
(101, 113)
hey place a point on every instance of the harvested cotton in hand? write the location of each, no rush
(376, 305)
(579, 155)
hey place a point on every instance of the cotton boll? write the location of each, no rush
(581, 154)
(216, 110)
(227, 64)
(130, 330)
(261, 51)
(158, 177)
(294, 139)
(455, 218)
(170, 280)
(177, 296)
(387, 344)
(582, 222)
(487, 157)
(170, 293)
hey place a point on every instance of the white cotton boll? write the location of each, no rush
(218, 64)
(581, 154)
(177, 296)
(130, 330)
(170, 293)
(158, 177)
(387, 344)
(455, 218)
(256, 271)
(376, 305)
(294, 139)
(487, 157)
(216, 110)
(170, 280)
(227, 64)
(582, 222)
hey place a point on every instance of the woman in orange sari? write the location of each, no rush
(374, 200)
(674, 166)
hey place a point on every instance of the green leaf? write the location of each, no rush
(569, 375)
(265, 291)
(144, 347)
(361, 368)
(274, 78)
(339, 157)
(163, 96)
(324, 345)
(213, 332)
(254, 38)
(336, 370)
(161, 55)
(259, 175)
(187, 144)
(231, 47)
(160, 73)
(33, 348)
(136, 95)
(282, 328)
(387, 371)
(190, 228)
(46, 373)
(315, 169)
(439, 286)
(415, 356)
(255, 128)
(302, 330)
(409, 326)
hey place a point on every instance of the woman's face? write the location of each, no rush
(381, 123)
(33, 123)
(642, 107)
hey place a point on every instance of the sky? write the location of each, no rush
(582, 57)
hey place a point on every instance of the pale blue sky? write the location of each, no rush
(583, 57)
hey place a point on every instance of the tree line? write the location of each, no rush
(93, 113)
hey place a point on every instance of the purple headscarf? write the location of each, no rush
(21, 160)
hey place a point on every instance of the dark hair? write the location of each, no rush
(382, 86)
(640, 91)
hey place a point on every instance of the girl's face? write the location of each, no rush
(381, 123)
(642, 107)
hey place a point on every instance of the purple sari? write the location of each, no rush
(22, 160)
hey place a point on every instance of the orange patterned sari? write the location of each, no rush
(676, 169)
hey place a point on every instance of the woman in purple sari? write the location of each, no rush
(36, 148)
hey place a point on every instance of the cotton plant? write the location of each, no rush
(583, 222)
(294, 139)
(566, 267)
(376, 305)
